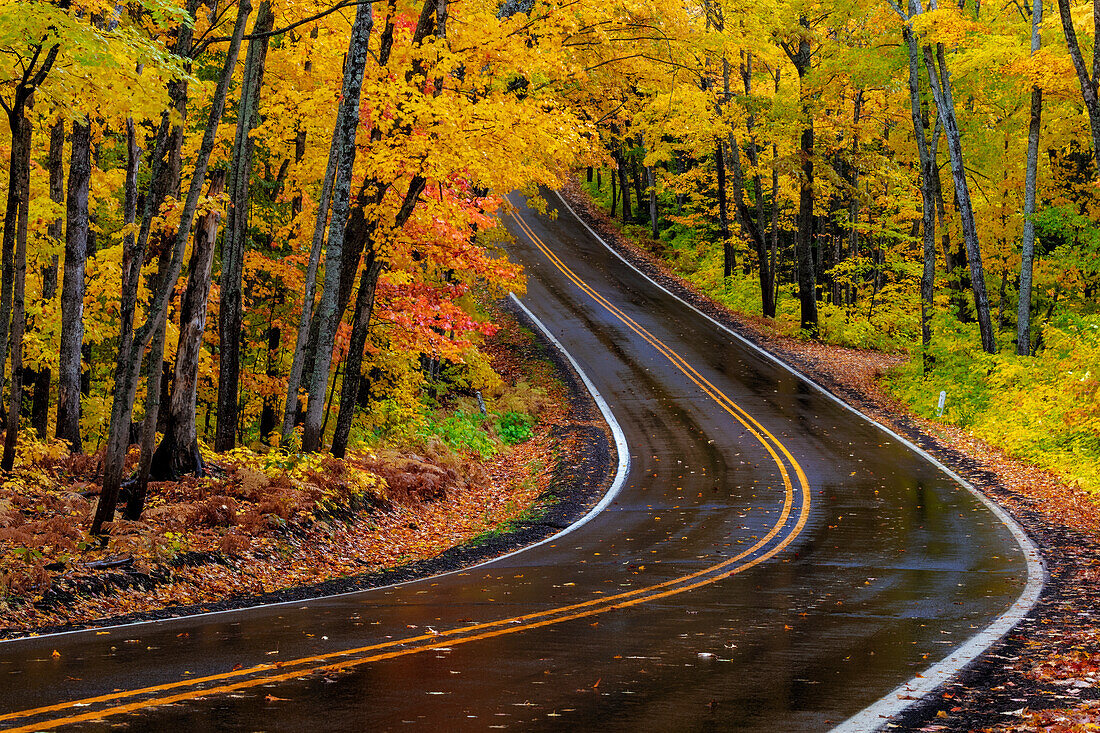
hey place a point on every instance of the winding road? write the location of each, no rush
(765, 560)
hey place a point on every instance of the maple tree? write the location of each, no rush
(303, 272)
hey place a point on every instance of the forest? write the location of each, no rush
(274, 228)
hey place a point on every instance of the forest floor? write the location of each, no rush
(1045, 674)
(275, 527)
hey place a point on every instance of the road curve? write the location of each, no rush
(771, 562)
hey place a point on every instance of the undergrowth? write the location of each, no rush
(1044, 409)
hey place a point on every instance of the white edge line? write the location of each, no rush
(876, 715)
(621, 470)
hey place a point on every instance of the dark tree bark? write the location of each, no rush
(178, 452)
(723, 210)
(752, 224)
(269, 418)
(853, 201)
(1087, 81)
(807, 280)
(766, 264)
(624, 188)
(636, 176)
(306, 320)
(134, 342)
(34, 72)
(654, 219)
(40, 410)
(72, 288)
(651, 185)
(157, 372)
(19, 300)
(360, 324)
(156, 381)
(230, 312)
(614, 192)
(1027, 250)
(773, 253)
(347, 124)
(308, 326)
(365, 231)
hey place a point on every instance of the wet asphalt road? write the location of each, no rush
(719, 591)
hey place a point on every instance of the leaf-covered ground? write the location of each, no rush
(275, 526)
(1043, 676)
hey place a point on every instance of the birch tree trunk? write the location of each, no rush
(945, 104)
(1027, 249)
(928, 197)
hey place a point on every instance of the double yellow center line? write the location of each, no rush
(780, 535)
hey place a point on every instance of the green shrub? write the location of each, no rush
(463, 432)
(515, 427)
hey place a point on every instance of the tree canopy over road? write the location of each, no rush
(242, 224)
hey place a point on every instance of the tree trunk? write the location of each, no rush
(19, 300)
(774, 250)
(230, 314)
(723, 210)
(651, 175)
(155, 382)
(1027, 251)
(624, 187)
(34, 72)
(853, 202)
(72, 288)
(807, 280)
(40, 411)
(614, 192)
(133, 343)
(17, 161)
(635, 173)
(767, 300)
(347, 122)
(1087, 81)
(753, 225)
(360, 326)
(305, 320)
(178, 453)
(945, 104)
(269, 418)
(363, 232)
(928, 198)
